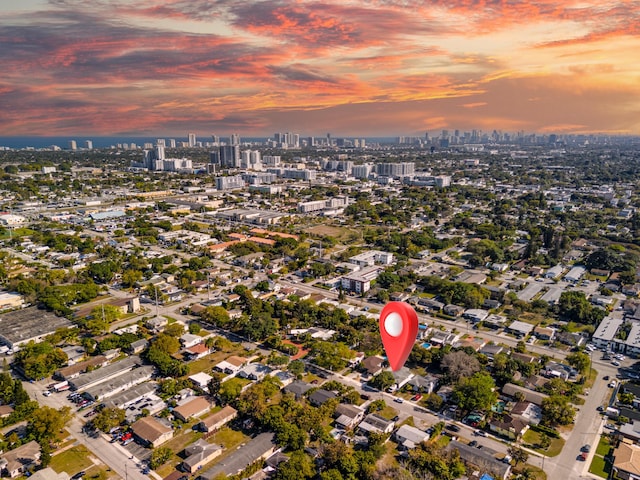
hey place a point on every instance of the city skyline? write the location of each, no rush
(365, 68)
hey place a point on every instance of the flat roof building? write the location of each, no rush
(29, 324)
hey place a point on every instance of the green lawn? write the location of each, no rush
(72, 460)
(600, 467)
(387, 412)
(531, 440)
(603, 446)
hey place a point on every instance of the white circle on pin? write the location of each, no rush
(393, 324)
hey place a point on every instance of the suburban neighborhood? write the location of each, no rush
(220, 318)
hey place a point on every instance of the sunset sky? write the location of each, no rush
(352, 68)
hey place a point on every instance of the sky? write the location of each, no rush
(348, 67)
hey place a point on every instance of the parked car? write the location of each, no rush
(416, 397)
(586, 448)
(481, 433)
(583, 456)
(473, 443)
(453, 428)
(615, 363)
(398, 400)
(46, 393)
(78, 475)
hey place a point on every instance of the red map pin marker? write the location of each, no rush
(398, 329)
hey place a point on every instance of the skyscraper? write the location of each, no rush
(88, 144)
(192, 139)
(73, 145)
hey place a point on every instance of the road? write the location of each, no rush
(111, 454)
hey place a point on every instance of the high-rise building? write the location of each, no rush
(88, 144)
(395, 169)
(160, 152)
(161, 141)
(234, 139)
(216, 140)
(229, 183)
(192, 139)
(172, 143)
(73, 145)
(230, 156)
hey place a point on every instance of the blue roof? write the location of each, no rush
(486, 476)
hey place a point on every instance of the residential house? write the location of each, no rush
(544, 333)
(408, 437)
(528, 412)
(441, 338)
(298, 388)
(201, 381)
(231, 365)
(258, 448)
(402, 377)
(626, 462)
(192, 407)
(151, 431)
(320, 397)
(631, 431)
(372, 366)
(481, 460)
(196, 352)
(198, 454)
(494, 321)
(5, 411)
(512, 390)
(424, 384)
(348, 416)
(374, 423)
(559, 370)
(491, 350)
(453, 310)
(17, 461)
(524, 357)
(189, 340)
(217, 420)
(157, 324)
(519, 329)
(138, 346)
(573, 339)
(475, 315)
(255, 371)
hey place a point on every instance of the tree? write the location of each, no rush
(109, 418)
(545, 441)
(296, 367)
(556, 410)
(46, 424)
(383, 380)
(159, 456)
(230, 390)
(299, 467)
(376, 406)
(174, 329)
(459, 364)
(518, 454)
(216, 316)
(476, 392)
(433, 402)
(579, 360)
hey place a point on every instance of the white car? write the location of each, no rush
(46, 393)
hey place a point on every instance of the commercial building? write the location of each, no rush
(360, 281)
(29, 324)
(109, 372)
